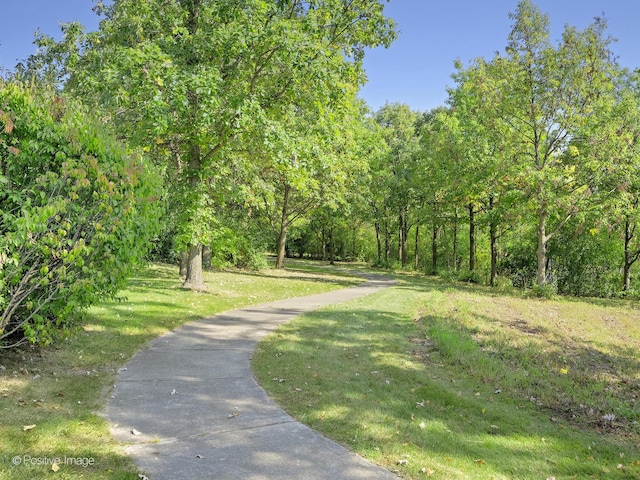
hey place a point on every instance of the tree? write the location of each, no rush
(306, 160)
(439, 161)
(616, 142)
(200, 78)
(78, 213)
(541, 97)
(399, 130)
(486, 170)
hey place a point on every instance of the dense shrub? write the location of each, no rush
(588, 263)
(77, 213)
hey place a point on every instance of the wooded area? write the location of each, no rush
(248, 113)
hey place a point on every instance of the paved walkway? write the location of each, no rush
(196, 411)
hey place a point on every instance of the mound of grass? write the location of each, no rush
(51, 400)
(458, 382)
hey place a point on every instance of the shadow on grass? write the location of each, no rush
(54, 387)
(315, 274)
(355, 376)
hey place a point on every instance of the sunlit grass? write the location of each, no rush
(61, 391)
(455, 382)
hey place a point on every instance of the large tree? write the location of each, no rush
(195, 79)
(616, 142)
(541, 96)
(307, 159)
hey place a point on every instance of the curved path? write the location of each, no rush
(189, 407)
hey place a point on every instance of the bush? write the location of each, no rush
(77, 213)
(547, 291)
(235, 249)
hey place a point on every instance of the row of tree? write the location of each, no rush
(535, 156)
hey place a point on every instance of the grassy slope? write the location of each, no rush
(62, 390)
(455, 382)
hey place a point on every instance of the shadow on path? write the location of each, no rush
(198, 413)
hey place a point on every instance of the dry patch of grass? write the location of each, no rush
(579, 360)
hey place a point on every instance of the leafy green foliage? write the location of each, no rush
(199, 82)
(77, 213)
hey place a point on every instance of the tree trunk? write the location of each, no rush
(541, 252)
(455, 240)
(184, 259)
(378, 242)
(387, 242)
(353, 244)
(493, 234)
(400, 237)
(206, 257)
(281, 246)
(628, 256)
(494, 255)
(405, 237)
(472, 238)
(194, 280)
(434, 249)
(284, 225)
(324, 244)
(415, 251)
(331, 247)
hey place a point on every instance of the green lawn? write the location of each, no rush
(51, 400)
(450, 381)
(431, 379)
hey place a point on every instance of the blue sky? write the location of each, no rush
(415, 70)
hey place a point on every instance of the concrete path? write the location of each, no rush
(189, 407)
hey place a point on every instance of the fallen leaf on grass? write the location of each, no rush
(55, 467)
(480, 461)
(26, 428)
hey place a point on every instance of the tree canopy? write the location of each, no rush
(196, 81)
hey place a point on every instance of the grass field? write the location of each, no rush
(443, 381)
(430, 379)
(51, 400)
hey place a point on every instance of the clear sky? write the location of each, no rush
(415, 70)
